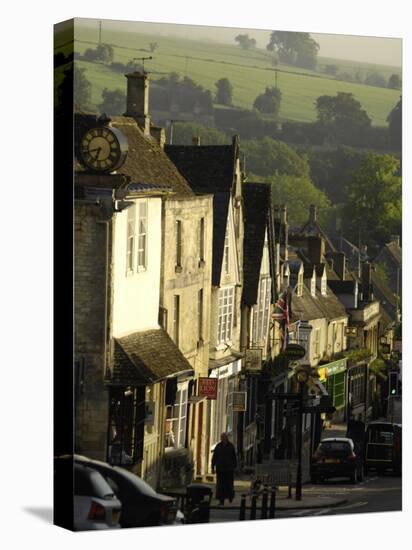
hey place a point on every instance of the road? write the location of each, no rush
(375, 494)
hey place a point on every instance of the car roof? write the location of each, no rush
(328, 439)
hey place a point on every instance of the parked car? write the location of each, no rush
(336, 457)
(142, 506)
(95, 504)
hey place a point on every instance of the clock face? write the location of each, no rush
(103, 149)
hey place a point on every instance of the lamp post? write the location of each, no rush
(302, 377)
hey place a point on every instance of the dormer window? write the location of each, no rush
(323, 283)
(299, 286)
(313, 286)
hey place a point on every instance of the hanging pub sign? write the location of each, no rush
(253, 359)
(239, 401)
(294, 351)
(351, 332)
(207, 387)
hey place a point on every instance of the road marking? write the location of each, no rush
(302, 512)
(321, 512)
(353, 505)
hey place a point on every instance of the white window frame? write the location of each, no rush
(226, 252)
(176, 319)
(142, 226)
(260, 317)
(179, 420)
(225, 314)
(130, 239)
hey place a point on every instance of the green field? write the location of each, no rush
(249, 71)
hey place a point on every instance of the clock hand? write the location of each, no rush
(98, 153)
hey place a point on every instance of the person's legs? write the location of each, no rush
(220, 492)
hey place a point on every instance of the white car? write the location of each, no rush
(95, 505)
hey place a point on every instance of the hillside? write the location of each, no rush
(250, 71)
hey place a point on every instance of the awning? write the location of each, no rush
(147, 357)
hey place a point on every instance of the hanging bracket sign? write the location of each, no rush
(207, 387)
(294, 351)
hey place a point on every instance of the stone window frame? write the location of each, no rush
(225, 314)
(130, 239)
(260, 316)
(142, 234)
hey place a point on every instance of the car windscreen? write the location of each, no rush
(332, 447)
(88, 482)
(143, 487)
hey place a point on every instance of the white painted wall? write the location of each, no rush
(136, 295)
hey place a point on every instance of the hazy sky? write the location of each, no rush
(382, 51)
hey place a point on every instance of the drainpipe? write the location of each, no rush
(106, 286)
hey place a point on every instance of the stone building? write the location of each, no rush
(216, 170)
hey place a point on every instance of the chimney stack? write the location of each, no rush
(159, 134)
(196, 140)
(137, 100)
(316, 249)
(396, 239)
(313, 213)
(367, 281)
(340, 265)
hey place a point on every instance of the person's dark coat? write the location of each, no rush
(224, 457)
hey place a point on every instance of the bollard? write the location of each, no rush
(272, 503)
(242, 512)
(264, 510)
(253, 507)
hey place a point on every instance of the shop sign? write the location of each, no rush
(208, 387)
(294, 351)
(239, 401)
(253, 359)
(335, 367)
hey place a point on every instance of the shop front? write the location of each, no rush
(333, 376)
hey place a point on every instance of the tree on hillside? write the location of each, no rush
(342, 115)
(76, 87)
(395, 82)
(265, 157)
(294, 48)
(183, 133)
(269, 101)
(395, 125)
(224, 91)
(376, 79)
(373, 209)
(114, 102)
(331, 69)
(105, 53)
(297, 193)
(245, 42)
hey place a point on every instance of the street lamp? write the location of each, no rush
(302, 377)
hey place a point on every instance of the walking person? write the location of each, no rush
(224, 462)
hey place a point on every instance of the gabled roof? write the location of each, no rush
(220, 220)
(257, 204)
(385, 296)
(146, 161)
(390, 252)
(146, 357)
(308, 307)
(207, 168)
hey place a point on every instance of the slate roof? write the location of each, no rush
(392, 252)
(342, 287)
(146, 357)
(146, 161)
(308, 307)
(256, 202)
(207, 168)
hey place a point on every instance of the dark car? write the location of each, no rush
(142, 506)
(336, 457)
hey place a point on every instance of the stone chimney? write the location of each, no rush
(316, 249)
(159, 134)
(313, 213)
(137, 100)
(340, 265)
(367, 281)
(196, 140)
